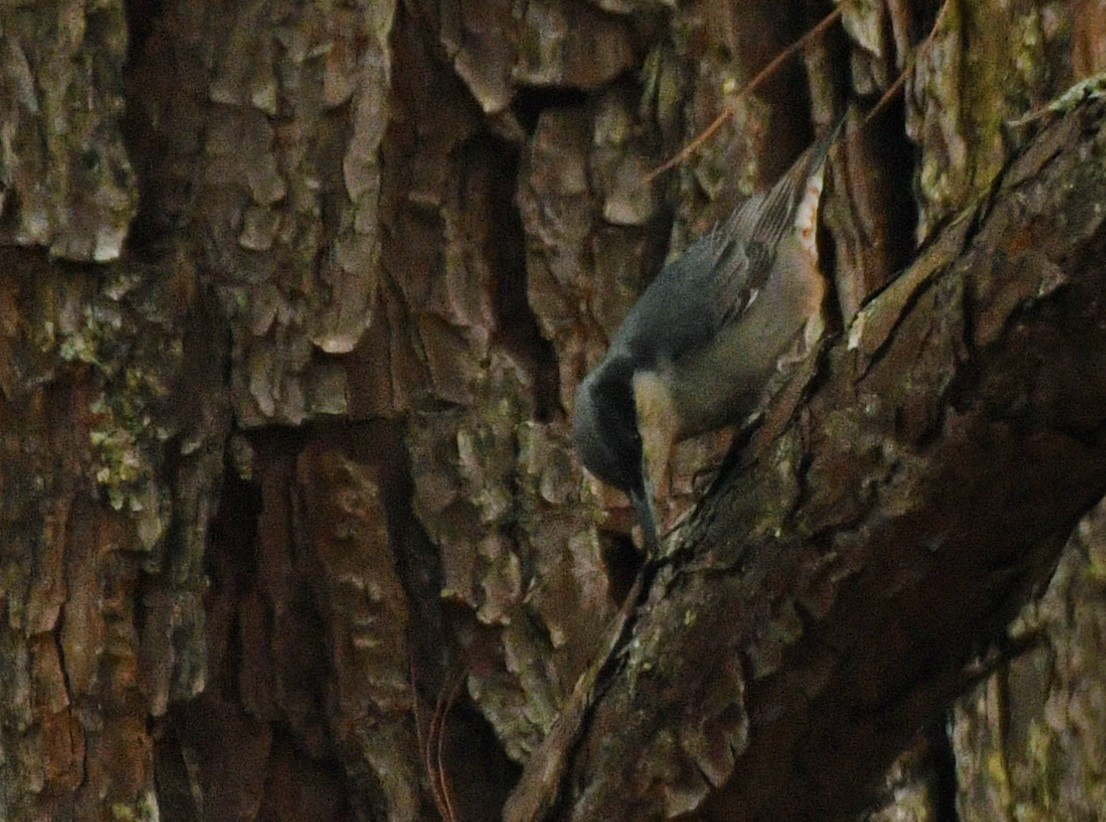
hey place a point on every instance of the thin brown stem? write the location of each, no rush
(750, 88)
(450, 693)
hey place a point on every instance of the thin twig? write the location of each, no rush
(433, 750)
(441, 712)
(430, 741)
(908, 66)
(750, 87)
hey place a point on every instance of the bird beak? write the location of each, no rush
(646, 509)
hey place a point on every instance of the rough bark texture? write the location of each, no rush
(847, 569)
(1029, 743)
(294, 298)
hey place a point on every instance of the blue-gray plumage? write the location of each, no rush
(699, 349)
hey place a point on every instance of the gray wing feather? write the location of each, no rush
(719, 276)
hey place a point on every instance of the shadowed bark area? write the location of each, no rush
(821, 604)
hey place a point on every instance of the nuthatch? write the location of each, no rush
(699, 349)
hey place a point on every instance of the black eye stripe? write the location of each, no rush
(618, 429)
(616, 398)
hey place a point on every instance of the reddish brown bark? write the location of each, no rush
(293, 302)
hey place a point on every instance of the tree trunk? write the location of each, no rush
(293, 303)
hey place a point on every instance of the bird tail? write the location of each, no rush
(765, 219)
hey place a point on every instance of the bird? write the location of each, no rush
(699, 349)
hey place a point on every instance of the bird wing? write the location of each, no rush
(748, 240)
(745, 245)
(680, 310)
(725, 270)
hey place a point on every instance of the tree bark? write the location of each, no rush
(821, 606)
(293, 303)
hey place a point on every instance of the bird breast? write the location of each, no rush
(724, 383)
